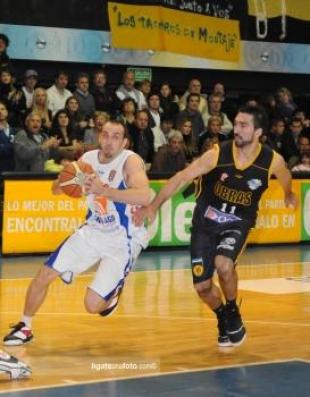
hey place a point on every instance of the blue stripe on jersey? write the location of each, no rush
(89, 214)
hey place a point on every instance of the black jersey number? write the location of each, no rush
(225, 208)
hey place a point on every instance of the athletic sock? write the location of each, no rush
(231, 305)
(220, 311)
(27, 320)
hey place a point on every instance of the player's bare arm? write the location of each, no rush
(138, 191)
(201, 166)
(282, 173)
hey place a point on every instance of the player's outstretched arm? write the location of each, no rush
(282, 173)
(202, 165)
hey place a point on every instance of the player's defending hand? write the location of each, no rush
(291, 200)
(93, 184)
(144, 213)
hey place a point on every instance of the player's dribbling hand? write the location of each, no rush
(291, 200)
(143, 213)
(93, 184)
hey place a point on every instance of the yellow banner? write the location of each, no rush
(35, 220)
(299, 9)
(275, 223)
(162, 29)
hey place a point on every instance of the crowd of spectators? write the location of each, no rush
(42, 128)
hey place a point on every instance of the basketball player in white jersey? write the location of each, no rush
(108, 236)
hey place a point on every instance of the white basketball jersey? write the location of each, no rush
(105, 214)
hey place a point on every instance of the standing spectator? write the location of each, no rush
(32, 146)
(5, 62)
(192, 113)
(58, 94)
(168, 101)
(7, 135)
(40, 107)
(128, 90)
(215, 109)
(85, 98)
(30, 82)
(194, 87)
(128, 112)
(77, 122)
(285, 105)
(142, 137)
(105, 99)
(170, 158)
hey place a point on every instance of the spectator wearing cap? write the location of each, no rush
(5, 62)
(30, 82)
(7, 134)
(170, 158)
(58, 93)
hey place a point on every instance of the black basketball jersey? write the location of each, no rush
(228, 194)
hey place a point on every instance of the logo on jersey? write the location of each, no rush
(232, 195)
(227, 243)
(197, 267)
(219, 216)
(254, 184)
(100, 205)
(224, 176)
(111, 175)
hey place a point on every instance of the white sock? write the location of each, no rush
(27, 320)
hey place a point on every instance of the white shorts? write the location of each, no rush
(88, 246)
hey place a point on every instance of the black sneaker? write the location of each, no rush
(112, 306)
(19, 335)
(235, 327)
(223, 339)
(12, 366)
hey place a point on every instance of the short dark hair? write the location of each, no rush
(5, 38)
(260, 117)
(61, 73)
(192, 96)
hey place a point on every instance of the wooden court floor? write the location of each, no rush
(160, 325)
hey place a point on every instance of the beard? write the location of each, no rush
(240, 142)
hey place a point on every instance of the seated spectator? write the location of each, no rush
(275, 135)
(290, 146)
(154, 109)
(170, 158)
(40, 106)
(161, 133)
(86, 100)
(192, 113)
(285, 106)
(168, 102)
(194, 87)
(142, 137)
(32, 146)
(145, 86)
(301, 115)
(77, 123)
(7, 135)
(105, 99)
(11, 97)
(91, 136)
(212, 135)
(128, 90)
(190, 143)
(215, 109)
(5, 62)
(58, 93)
(128, 112)
(304, 164)
(30, 82)
(61, 130)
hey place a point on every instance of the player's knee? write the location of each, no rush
(93, 306)
(45, 276)
(224, 267)
(203, 289)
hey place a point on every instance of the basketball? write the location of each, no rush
(71, 178)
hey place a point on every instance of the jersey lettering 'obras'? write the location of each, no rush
(228, 193)
(104, 214)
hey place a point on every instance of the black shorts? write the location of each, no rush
(206, 243)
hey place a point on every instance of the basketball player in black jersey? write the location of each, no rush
(232, 179)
